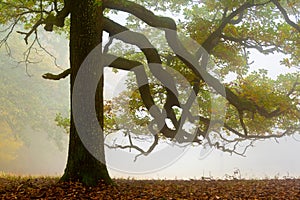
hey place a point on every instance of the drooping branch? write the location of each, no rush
(28, 52)
(10, 29)
(180, 135)
(172, 38)
(147, 48)
(142, 81)
(153, 59)
(144, 88)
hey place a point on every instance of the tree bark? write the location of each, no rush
(85, 35)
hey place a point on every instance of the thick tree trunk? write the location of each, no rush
(85, 35)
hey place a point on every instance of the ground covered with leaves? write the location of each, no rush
(49, 188)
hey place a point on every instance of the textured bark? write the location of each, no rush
(85, 35)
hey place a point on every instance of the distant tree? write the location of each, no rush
(15, 84)
(226, 30)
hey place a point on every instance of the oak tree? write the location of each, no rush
(257, 107)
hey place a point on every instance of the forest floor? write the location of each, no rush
(12, 187)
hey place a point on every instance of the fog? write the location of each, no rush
(267, 159)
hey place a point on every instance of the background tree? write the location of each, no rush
(14, 84)
(226, 30)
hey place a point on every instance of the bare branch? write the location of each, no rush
(48, 53)
(32, 30)
(4, 40)
(132, 146)
(27, 54)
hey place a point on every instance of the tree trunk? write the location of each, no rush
(85, 35)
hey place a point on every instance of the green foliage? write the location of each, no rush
(27, 13)
(62, 122)
(269, 94)
(262, 27)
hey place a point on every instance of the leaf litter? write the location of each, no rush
(50, 188)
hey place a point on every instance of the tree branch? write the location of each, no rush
(141, 12)
(59, 19)
(32, 30)
(238, 20)
(213, 38)
(242, 122)
(179, 134)
(154, 63)
(247, 43)
(285, 15)
(132, 146)
(10, 29)
(51, 76)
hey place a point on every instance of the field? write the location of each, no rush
(13, 187)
